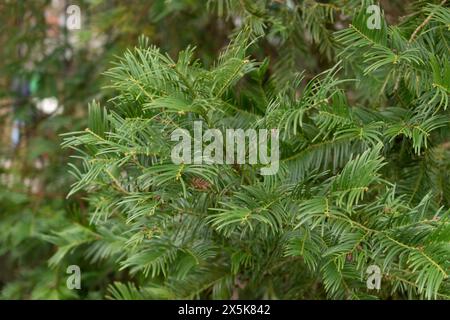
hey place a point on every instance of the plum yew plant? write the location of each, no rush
(364, 164)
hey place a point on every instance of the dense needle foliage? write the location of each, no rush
(364, 160)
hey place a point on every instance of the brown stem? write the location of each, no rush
(423, 24)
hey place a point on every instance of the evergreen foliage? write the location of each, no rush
(364, 161)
